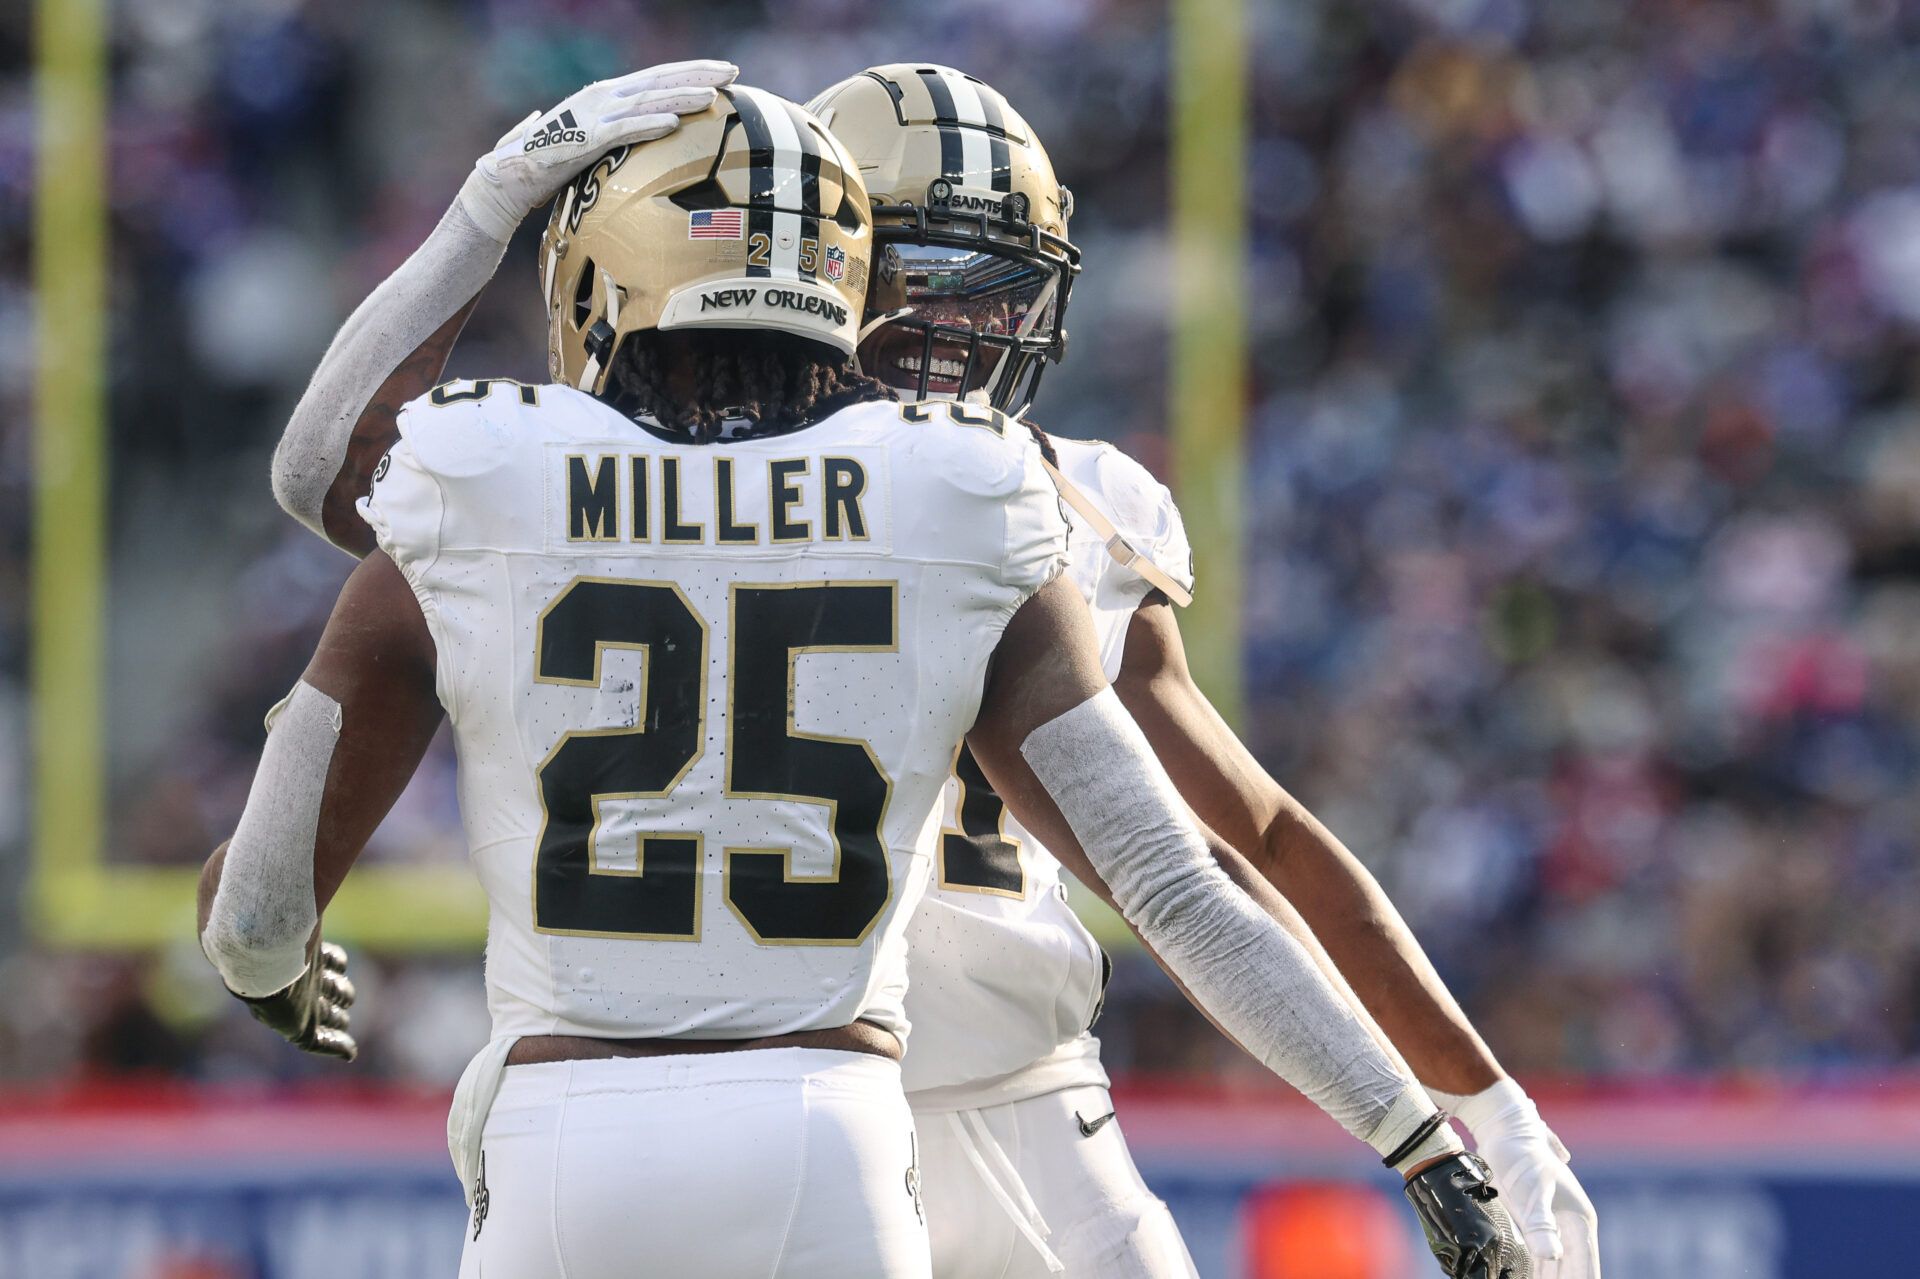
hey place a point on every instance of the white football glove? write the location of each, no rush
(548, 149)
(1530, 1170)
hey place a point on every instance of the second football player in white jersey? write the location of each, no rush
(1022, 1161)
(1023, 1167)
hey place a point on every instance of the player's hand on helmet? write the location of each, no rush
(1552, 1212)
(1467, 1227)
(312, 1013)
(548, 149)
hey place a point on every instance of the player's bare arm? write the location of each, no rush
(1351, 915)
(1056, 745)
(1340, 900)
(1027, 689)
(340, 751)
(396, 343)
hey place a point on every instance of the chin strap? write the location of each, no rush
(548, 276)
(600, 337)
(1117, 544)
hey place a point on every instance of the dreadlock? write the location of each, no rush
(775, 382)
(1045, 442)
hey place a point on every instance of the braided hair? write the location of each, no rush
(1045, 442)
(772, 382)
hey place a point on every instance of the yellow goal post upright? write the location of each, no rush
(1207, 377)
(79, 896)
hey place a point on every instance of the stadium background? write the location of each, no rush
(1538, 381)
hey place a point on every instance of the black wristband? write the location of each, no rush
(1427, 1128)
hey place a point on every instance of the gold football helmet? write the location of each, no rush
(972, 265)
(750, 215)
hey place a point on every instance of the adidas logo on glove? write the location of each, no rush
(562, 128)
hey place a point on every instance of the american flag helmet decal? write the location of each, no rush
(716, 224)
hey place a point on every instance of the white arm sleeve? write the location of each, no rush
(443, 274)
(263, 912)
(1243, 967)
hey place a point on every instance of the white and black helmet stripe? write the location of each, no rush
(953, 161)
(810, 143)
(783, 180)
(973, 144)
(976, 147)
(1000, 154)
(760, 178)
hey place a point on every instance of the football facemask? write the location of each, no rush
(960, 321)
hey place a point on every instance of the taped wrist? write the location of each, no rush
(1246, 970)
(443, 275)
(486, 203)
(263, 912)
(1412, 1132)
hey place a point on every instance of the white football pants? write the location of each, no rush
(1019, 1191)
(777, 1163)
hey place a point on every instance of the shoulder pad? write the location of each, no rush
(1142, 509)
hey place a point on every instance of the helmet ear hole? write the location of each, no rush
(583, 297)
(704, 194)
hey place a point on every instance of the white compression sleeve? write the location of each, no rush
(1245, 969)
(263, 912)
(444, 273)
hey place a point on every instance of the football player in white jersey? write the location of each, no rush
(1021, 1164)
(709, 620)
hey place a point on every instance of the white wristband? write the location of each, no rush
(487, 204)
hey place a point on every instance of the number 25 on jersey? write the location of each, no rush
(767, 758)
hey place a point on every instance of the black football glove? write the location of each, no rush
(311, 1014)
(1466, 1225)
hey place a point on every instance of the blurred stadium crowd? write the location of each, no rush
(1583, 468)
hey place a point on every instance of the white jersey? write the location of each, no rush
(1004, 974)
(705, 697)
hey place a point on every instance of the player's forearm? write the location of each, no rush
(1375, 951)
(1263, 894)
(258, 904)
(1391, 975)
(1248, 968)
(1056, 744)
(1384, 967)
(391, 349)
